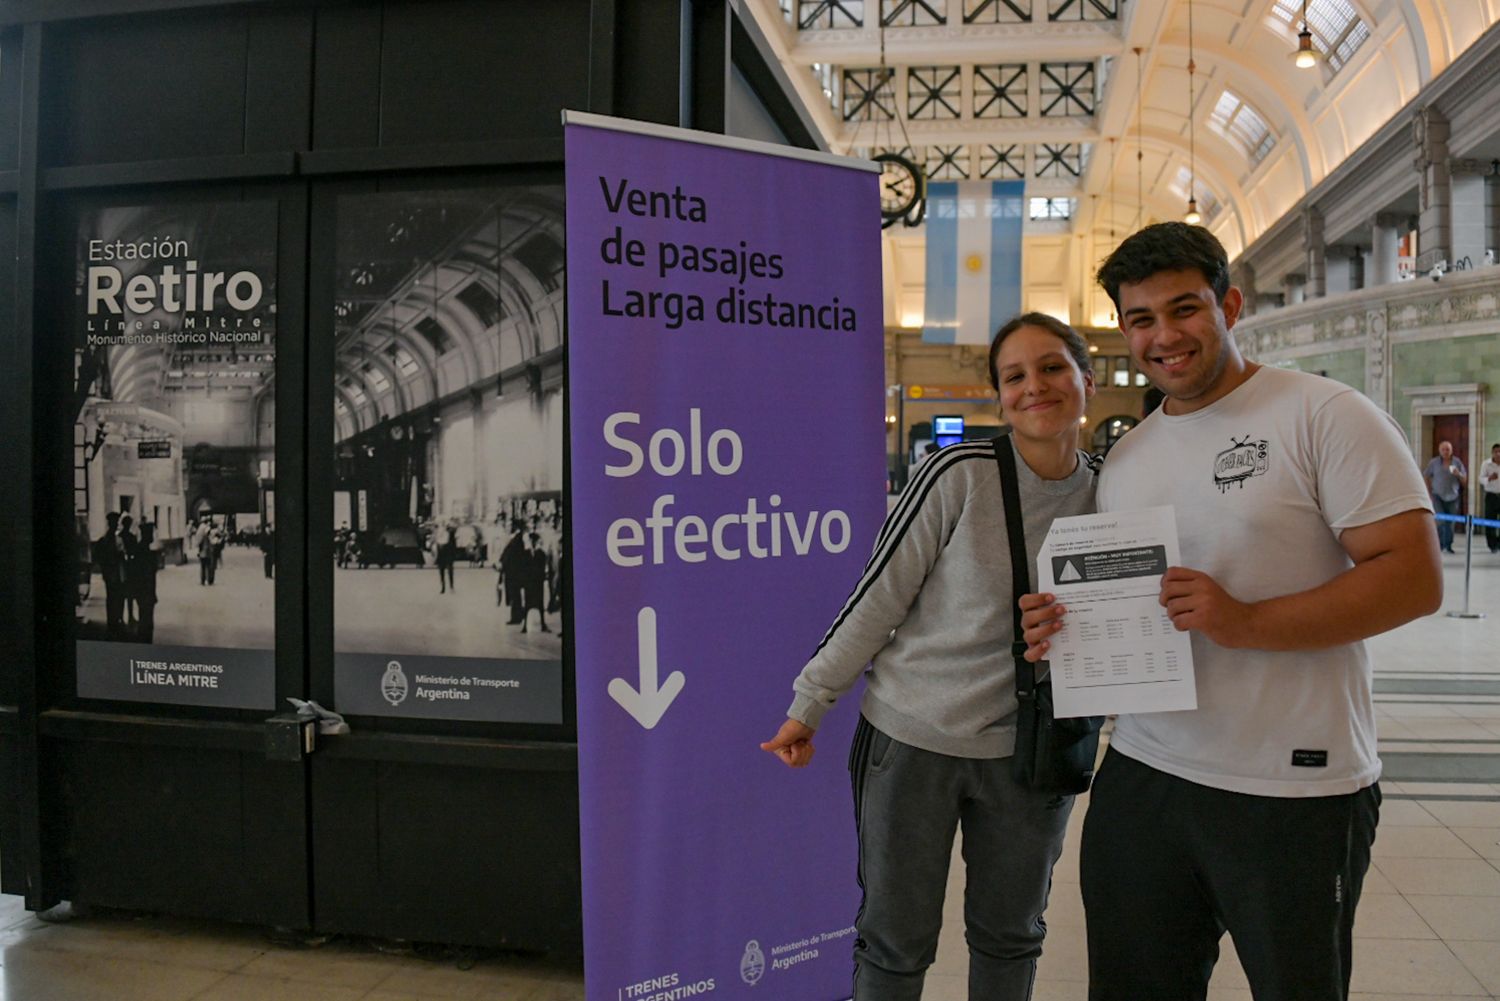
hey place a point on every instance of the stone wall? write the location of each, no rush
(1418, 348)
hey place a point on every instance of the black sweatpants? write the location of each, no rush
(908, 805)
(1169, 865)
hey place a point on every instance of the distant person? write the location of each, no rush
(143, 560)
(536, 568)
(268, 551)
(126, 543)
(203, 546)
(1446, 479)
(110, 560)
(1489, 479)
(445, 539)
(1151, 401)
(510, 564)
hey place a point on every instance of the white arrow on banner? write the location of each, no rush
(649, 703)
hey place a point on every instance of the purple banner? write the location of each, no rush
(727, 428)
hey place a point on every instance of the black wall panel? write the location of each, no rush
(10, 97)
(149, 88)
(12, 873)
(278, 82)
(346, 87)
(10, 418)
(483, 857)
(215, 834)
(474, 70)
(648, 71)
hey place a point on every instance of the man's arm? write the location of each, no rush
(1397, 576)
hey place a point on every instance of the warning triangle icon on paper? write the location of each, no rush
(1070, 573)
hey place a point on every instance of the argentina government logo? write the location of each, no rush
(752, 963)
(393, 683)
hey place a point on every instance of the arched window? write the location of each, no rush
(1244, 127)
(1336, 27)
(1111, 430)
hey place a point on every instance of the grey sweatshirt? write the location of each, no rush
(931, 615)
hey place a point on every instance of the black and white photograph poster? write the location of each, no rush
(174, 453)
(448, 414)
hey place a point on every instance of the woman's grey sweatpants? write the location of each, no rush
(907, 805)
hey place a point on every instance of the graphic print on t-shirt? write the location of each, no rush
(1240, 461)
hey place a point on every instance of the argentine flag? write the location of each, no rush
(973, 259)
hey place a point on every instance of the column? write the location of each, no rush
(1385, 236)
(1340, 262)
(1430, 131)
(1293, 288)
(1469, 205)
(1312, 239)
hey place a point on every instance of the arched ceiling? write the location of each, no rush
(1301, 123)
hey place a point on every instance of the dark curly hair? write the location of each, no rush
(1076, 345)
(1165, 246)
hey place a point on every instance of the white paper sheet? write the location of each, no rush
(1118, 651)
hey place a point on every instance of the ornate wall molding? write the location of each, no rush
(1463, 304)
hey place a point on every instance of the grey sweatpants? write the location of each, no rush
(908, 803)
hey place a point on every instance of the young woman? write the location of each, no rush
(932, 617)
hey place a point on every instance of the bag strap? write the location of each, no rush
(1020, 578)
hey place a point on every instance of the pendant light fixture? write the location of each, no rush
(1193, 217)
(1305, 56)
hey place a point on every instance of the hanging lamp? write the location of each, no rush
(1305, 56)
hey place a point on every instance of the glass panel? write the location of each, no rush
(175, 422)
(448, 492)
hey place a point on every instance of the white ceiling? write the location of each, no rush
(1136, 148)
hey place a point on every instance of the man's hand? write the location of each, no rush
(1040, 618)
(1195, 601)
(792, 744)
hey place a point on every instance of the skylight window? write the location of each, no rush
(1243, 126)
(1335, 25)
(403, 359)
(1051, 208)
(377, 379)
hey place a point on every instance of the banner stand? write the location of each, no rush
(726, 378)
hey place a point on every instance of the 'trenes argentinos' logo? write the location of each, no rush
(393, 683)
(1239, 462)
(752, 963)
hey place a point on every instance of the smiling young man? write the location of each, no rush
(1305, 528)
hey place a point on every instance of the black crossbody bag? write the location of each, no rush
(1052, 755)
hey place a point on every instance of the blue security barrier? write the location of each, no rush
(1465, 519)
(1469, 521)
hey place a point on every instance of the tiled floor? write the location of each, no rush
(1428, 926)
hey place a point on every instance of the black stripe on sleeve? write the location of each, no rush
(900, 521)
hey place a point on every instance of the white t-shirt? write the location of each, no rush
(1487, 467)
(1263, 481)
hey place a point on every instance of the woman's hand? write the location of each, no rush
(792, 744)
